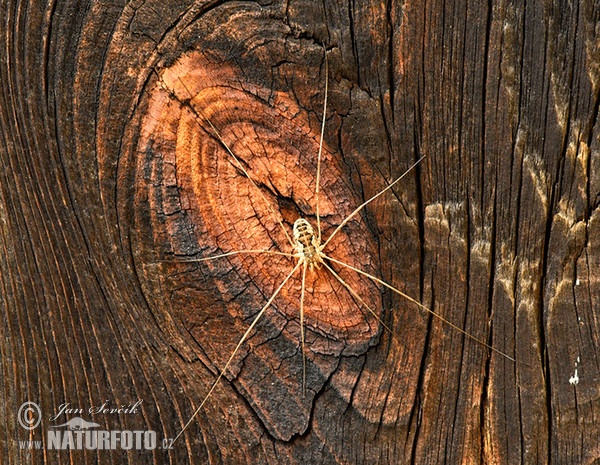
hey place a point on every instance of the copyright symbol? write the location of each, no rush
(30, 415)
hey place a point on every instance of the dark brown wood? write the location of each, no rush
(112, 177)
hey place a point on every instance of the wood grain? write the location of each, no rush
(108, 169)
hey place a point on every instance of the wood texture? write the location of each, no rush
(111, 177)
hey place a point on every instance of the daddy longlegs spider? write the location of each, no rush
(310, 251)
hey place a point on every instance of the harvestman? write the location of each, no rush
(309, 250)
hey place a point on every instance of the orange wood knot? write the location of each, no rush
(203, 202)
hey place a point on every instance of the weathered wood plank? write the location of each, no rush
(108, 168)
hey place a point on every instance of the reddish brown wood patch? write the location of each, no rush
(202, 204)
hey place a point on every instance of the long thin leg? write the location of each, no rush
(302, 326)
(360, 207)
(244, 337)
(228, 254)
(392, 288)
(321, 147)
(358, 297)
(200, 113)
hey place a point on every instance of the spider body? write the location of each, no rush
(307, 245)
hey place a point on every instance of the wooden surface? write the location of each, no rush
(111, 177)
